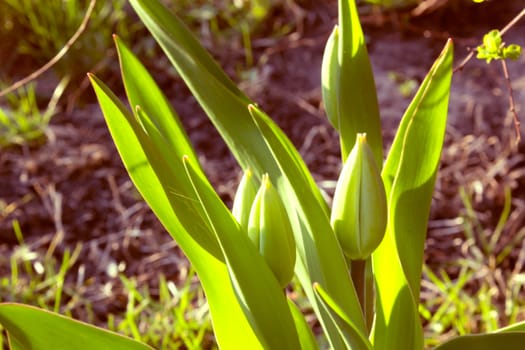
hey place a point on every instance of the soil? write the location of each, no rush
(73, 188)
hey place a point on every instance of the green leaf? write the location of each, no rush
(356, 93)
(306, 336)
(507, 340)
(145, 93)
(330, 78)
(322, 258)
(516, 327)
(148, 160)
(486, 55)
(154, 180)
(345, 326)
(36, 329)
(493, 48)
(510, 337)
(512, 51)
(262, 299)
(492, 41)
(318, 251)
(409, 175)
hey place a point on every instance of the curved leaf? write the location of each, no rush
(30, 328)
(155, 180)
(330, 78)
(507, 340)
(306, 336)
(356, 92)
(409, 175)
(261, 298)
(142, 91)
(516, 327)
(317, 241)
(353, 337)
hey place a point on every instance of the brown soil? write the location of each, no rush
(74, 185)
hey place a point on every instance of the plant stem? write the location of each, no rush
(512, 104)
(363, 279)
(513, 21)
(358, 273)
(369, 305)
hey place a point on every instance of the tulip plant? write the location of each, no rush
(358, 261)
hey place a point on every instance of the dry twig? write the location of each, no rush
(56, 58)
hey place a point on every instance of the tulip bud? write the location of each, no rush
(359, 210)
(270, 230)
(330, 78)
(242, 203)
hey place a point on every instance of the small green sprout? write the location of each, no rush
(494, 48)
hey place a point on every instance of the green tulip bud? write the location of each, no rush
(330, 78)
(242, 203)
(359, 210)
(270, 230)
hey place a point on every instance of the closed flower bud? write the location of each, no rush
(330, 78)
(359, 210)
(270, 230)
(242, 203)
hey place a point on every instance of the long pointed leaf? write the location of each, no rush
(143, 91)
(36, 329)
(165, 189)
(506, 340)
(306, 336)
(231, 327)
(516, 327)
(409, 175)
(356, 93)
(261, 298)
(354, 338)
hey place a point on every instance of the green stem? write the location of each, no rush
(357, 271)
(361, 273)
(369, 294)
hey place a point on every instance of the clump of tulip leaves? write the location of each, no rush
(359, 262)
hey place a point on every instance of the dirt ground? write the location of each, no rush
(74, 189)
